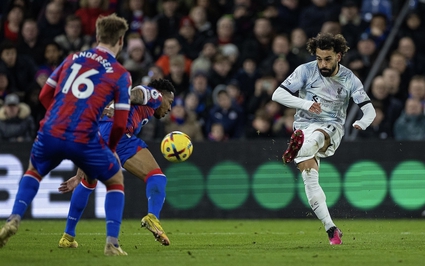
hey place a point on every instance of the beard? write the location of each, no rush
(328, 72)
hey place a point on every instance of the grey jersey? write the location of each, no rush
(333, 93)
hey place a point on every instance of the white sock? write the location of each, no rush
(316, 197)
(312, 145)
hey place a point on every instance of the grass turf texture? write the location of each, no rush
(223, 242)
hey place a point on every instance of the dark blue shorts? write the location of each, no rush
(94, 158)
(127, 147)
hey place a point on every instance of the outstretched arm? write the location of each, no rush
(367, 118)
(72, 183)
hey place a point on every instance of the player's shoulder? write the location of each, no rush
(345, 72)
(307, 66)
(348, 77)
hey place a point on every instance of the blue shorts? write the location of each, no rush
(127, 147)
(94, 158)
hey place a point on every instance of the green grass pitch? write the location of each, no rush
(223, 242)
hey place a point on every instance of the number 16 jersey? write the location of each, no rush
(84, 84)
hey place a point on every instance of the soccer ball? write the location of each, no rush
(176, 147)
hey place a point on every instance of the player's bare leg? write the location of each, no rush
(144, 166)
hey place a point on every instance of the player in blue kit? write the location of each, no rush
(324, 89)
(75, 96)
(156, 100)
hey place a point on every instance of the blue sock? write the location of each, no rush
(28, 188)
(114, 207)
(155, 192)
(79, 200)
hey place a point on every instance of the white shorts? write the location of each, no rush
(334, 131)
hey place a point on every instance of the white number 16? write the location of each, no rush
(76, 82)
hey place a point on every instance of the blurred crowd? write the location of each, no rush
(224, 57)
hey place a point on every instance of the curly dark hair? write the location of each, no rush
(162, 85)
(328, 41)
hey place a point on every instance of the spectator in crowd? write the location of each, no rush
(353, 25)
(417, 89)
(137, 60)
(53, 56)
(247, 75)
(204, 60)
(318, 12)
(361, 58)
(281, 46)
(16, 123)
(414, 28)
(280, 68)
(415, 62)
(289, 13)
(200, 88)
(72, 40)
(391, 106)
(260, 127)
(217, 133)
(220, 72)
(203, 26)
(213, 8)
(177, 76)
(51, 23)
(169, 18)
(11, 26)
(26, 5)
(136, 12)
(234, 91)
(172, 47)
(378, 29)
(191, 103)
(411, 123)
(398, 61)
(298, 46)
(30, 43)
(89, 11)
(227, 114)
(271, 12)
(189, 38)
(183, 120)
(225, 32)
(392, 82)
(21, 68)
(243, 16)
(151, 38)
(259, 45)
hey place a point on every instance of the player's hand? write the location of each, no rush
(69, 185)
(109, 112)
(315, 108)
(357, 127)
